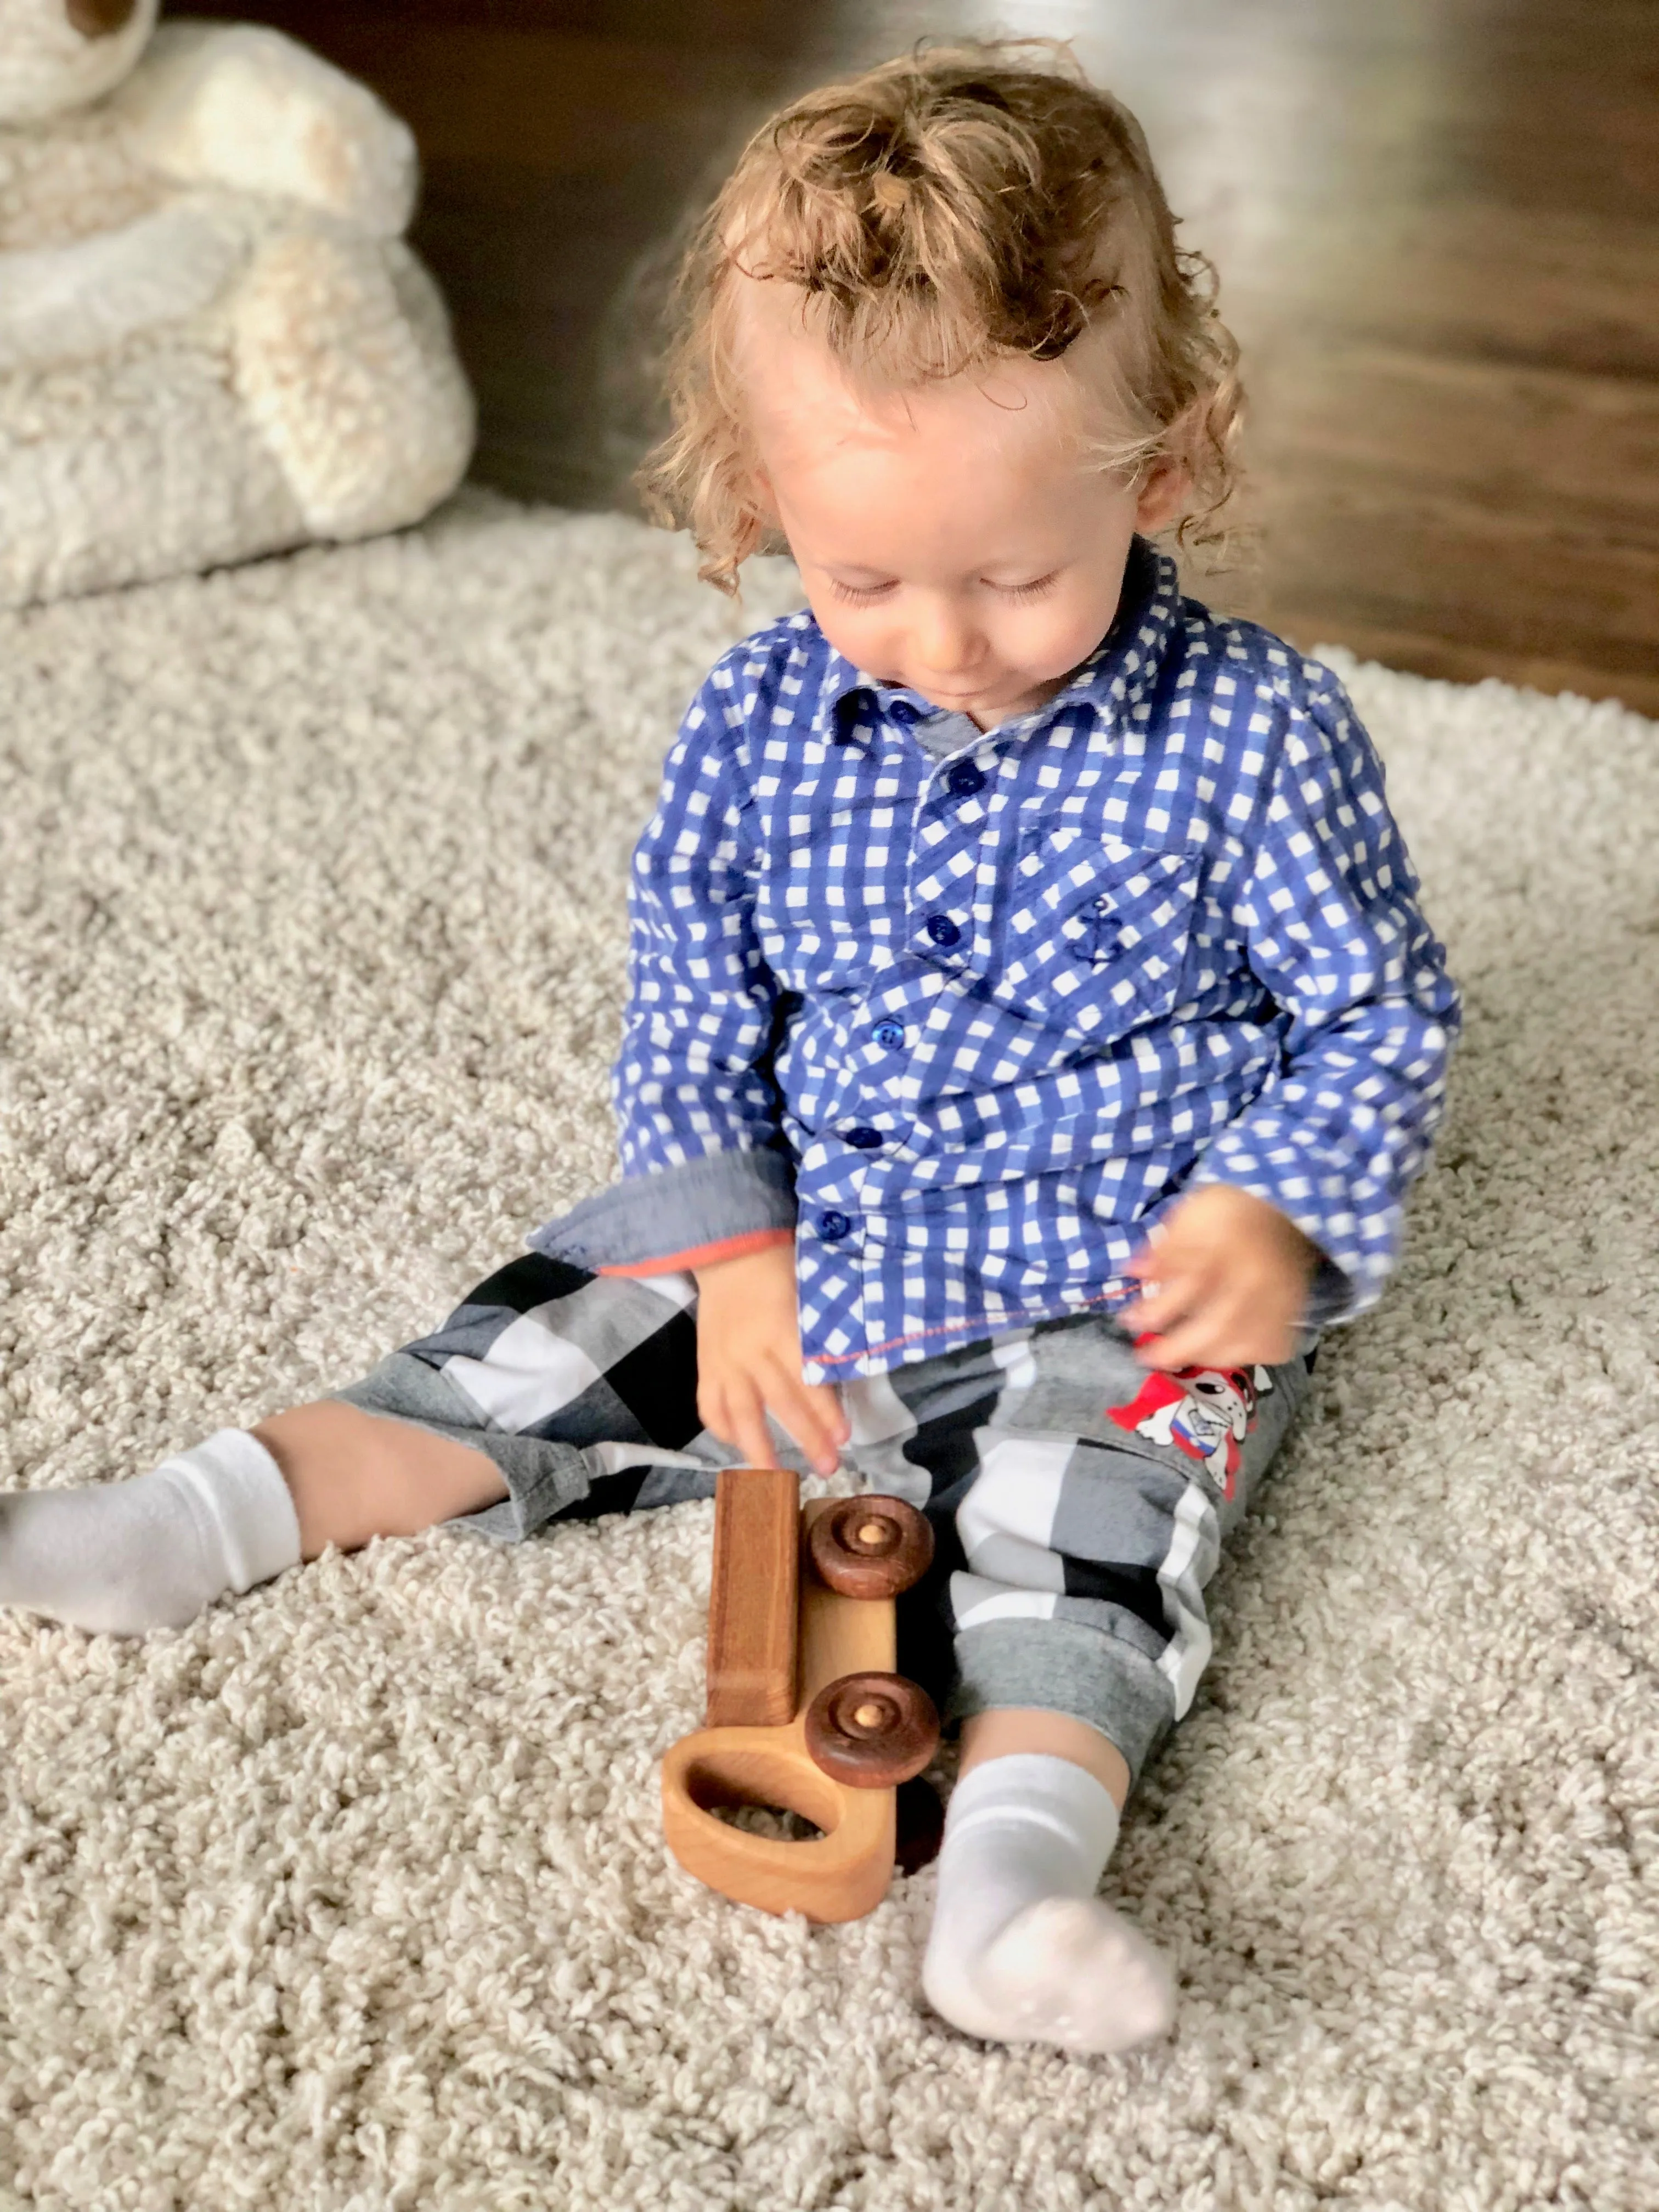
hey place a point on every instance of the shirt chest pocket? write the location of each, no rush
(1098, 931)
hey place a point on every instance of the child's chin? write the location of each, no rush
(1001, 700)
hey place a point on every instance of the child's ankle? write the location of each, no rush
(1006, 1731)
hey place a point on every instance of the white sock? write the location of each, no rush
(151, 1552)
(1022, 1950)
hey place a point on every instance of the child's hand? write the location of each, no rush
(749, 1362)
(1225, 1280)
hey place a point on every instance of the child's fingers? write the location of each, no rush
(1178, 1328)
(1183, 1288)
(827, 1395)
(1146, 1261)
(1234, 1329)
(812, 1414)
(737, 1417)
(1194, 1343)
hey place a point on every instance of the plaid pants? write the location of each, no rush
(1077, 1500)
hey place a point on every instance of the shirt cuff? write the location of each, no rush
(687, 1216)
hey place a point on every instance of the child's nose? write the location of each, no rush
(948, 643)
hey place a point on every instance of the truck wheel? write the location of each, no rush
(871, 1547)
(871, 1731)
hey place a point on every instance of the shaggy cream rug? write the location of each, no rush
(353, 1894)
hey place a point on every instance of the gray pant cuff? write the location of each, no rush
(1065, 1667)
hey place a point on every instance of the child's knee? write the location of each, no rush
(354, 1475)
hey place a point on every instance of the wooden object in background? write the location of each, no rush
(845, 1872)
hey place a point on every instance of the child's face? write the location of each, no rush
(953, 538)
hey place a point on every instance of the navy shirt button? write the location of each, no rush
(832, 1227)
(903, 713)
(852, 707)
(867, 1140)
(889, 1036)
(942, 929)
(965, 779)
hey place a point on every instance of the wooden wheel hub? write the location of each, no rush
(871, 1731)
(871, 1547)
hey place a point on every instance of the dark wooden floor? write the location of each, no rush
(1436, 223)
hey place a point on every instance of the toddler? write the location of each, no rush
(1031, 1029)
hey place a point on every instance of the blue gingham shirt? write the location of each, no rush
(969, 1015)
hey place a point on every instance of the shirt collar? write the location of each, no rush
(1111, 680)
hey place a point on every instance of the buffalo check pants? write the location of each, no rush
(1079, 1501)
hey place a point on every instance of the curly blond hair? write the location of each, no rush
(960, 204)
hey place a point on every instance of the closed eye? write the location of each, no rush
(860, 595)
(1036, 589)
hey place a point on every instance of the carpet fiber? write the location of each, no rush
(352, 1895)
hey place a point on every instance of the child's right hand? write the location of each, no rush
(748, 1363)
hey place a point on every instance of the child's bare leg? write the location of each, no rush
(1022, 1728)
(122, 1558)
(391, 1455)
(354, 1475)
(1022, 1950)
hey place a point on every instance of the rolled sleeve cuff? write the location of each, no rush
(1353, 1221)
(688, 1216)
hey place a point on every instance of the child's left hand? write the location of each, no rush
(1225, 1281)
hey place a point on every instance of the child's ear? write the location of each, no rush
(1162, 494)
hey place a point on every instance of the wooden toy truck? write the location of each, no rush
(805, 1710)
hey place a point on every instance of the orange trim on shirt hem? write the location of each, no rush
(706, 1255)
